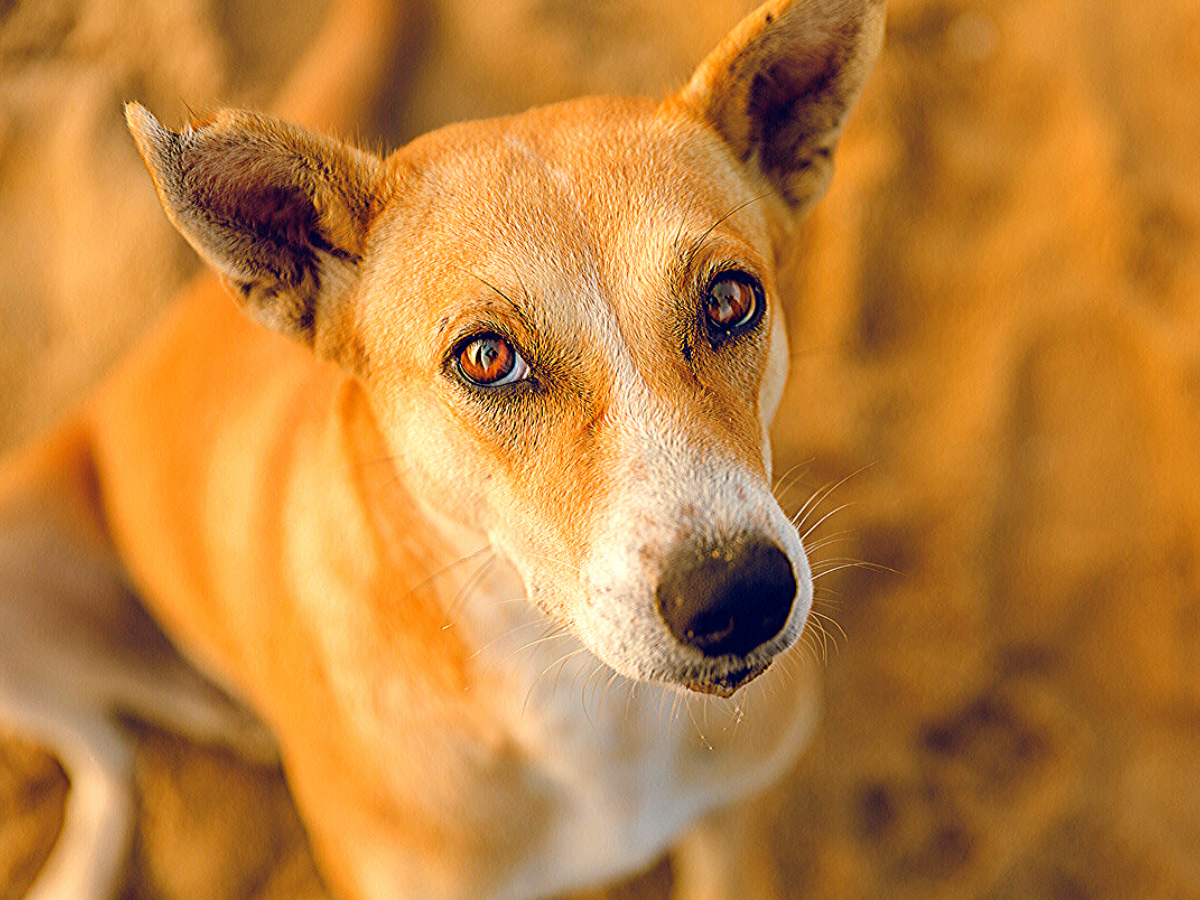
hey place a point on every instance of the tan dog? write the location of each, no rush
(518, 441)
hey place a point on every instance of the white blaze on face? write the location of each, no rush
(667, 494)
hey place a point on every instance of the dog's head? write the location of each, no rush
(567, 323)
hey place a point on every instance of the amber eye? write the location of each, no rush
(490, 360)
(732, 302)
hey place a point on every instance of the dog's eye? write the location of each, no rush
(490, 360)
(733, 302)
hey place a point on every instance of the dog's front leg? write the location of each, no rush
(90, 852)
(728, 856)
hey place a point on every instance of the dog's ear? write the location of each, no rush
(780, 85)
(281, 212)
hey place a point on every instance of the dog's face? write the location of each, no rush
(571, 335)
(567, 324)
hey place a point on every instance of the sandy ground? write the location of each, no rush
(996, 325)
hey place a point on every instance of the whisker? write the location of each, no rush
(816, 497)
(817, 524)
(469, 585)
(607, 687)
(823, 637)
(555, 633)
(563, 664)
(662, 698)
(599, 676)
(504, 637)
(596, 667)
(820, 496)
(853, 565)
(741, 708)
(699, 243)
(832, 621)
(677, 241)
(492, 287)
(861, 563)
(446, 568)
(791, 668)
(630, 690)
(575, 678)
(675, 704)
(521, 281)
(699, 732)
(809, 648)
(562, 661)
(839, 537)
(799, 469)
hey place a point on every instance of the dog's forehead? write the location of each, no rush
(611, 160)
(602, 197)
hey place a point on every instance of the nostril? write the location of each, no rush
(727, 605)
(710, 629)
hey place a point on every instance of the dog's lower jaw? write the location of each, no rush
(730, 682)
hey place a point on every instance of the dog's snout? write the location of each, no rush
(727, 603)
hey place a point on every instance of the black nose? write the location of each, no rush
(722, 602)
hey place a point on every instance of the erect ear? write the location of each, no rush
(780, 85)
(281, 212)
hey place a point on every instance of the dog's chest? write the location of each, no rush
(577, 777)
(581, 780)
(626, 775)
(627, 768)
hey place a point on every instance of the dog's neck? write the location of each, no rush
(402, 553)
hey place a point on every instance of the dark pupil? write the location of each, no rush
(729, 302)
(485, 354)
(486, 360)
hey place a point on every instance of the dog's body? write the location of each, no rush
(537, 442)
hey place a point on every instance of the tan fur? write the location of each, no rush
(295, 523)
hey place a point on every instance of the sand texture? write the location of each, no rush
(995, 327)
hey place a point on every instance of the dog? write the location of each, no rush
(488, 422)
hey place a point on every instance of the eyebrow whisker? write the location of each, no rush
(699, 243)
(491, 286)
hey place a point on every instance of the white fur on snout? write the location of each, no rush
(682, 498)
(675, 493)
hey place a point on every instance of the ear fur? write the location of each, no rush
(778, 88)
(281, 212)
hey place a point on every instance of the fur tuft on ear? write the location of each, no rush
(779, 87)
(281, 212)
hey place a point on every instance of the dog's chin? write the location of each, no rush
(729, 682)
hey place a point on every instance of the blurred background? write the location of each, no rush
(996, 334)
